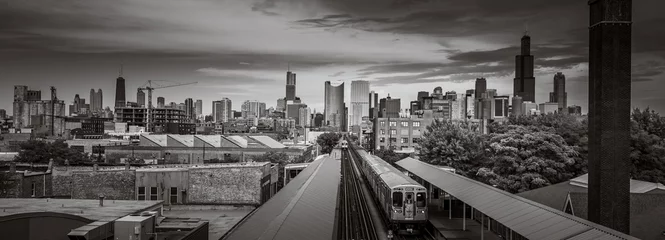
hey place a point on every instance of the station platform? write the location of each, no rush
(454, 228)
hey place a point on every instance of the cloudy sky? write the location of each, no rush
(240, 48)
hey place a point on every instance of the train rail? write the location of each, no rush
(355, 219)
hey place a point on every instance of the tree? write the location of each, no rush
(328, 141)
(6, 183)
(647, 146)
(281, 159)
(457, 145)
(35, 151)
(390, 156)
(208, 118)
(522, 159)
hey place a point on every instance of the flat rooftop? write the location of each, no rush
(89, 209)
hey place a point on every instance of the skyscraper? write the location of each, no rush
(99, 100)
(160, 102)
(481, 87)
(221, 110)
(198, 108)
(609, 113)
(93, 100)
(334, 104)
(120, 100)
(290, 85)
(560, 95)
(140, 98)
(525, 83)
(373, 105)
(189, 109)
(359, 102)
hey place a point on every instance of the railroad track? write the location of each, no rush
(355, 219)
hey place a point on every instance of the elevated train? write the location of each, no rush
(401, 200)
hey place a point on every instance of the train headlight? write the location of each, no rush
(423, 211)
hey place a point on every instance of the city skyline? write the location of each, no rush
(416, 49)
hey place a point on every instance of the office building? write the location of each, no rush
(290, 85)
(560, 95)
(198, 108)
(281, 105)
(451, 95)
(359, 102)
(160, 102)
(422, 94)
(575, 110)
(373, 105)
(334, 104)
(96, 100)
(252, 109)
(140, 98)
(470, 102)
(120, 100)
(517, 106)
(457, 107)
(189, 109)
(525, 83)
(389, 107)
(293, 112)
(221, 110)
(438, 93)
(481, 87)
(548, 107)
(3, 114)
(500, 107)
(318, 120)
(305, 117)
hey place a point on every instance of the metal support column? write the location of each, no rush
(464, 217)
(482, 231)
(450, 206)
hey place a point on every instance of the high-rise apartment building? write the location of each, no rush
(500, 107)
(96, 100)
(575, 110)
(304, 117)
(334, 104)
(221, 110)
(560, 95)
(290, 85)
(525, 83)
(359, 102)
(252, 109)
(140, 98)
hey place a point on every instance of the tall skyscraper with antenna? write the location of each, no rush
(290, 84)
(524, 82)
(120, 100)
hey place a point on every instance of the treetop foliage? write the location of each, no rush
(36, 151)
(328, 141)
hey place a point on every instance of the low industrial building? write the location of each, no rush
(234, 183)
(199, 149)
(35, 219)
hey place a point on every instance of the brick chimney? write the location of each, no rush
(12, 167)
(127, 166)
(95, 167)
(101, 200)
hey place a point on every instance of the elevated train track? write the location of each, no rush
(355, 218)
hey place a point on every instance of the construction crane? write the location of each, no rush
(148, 87)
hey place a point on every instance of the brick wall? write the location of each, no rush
(240, 185)
(42, 183)
(116, 185)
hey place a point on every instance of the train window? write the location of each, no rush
(421, 199)
(397, 199)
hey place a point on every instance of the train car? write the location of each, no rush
(402, 200)
(344, 144)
